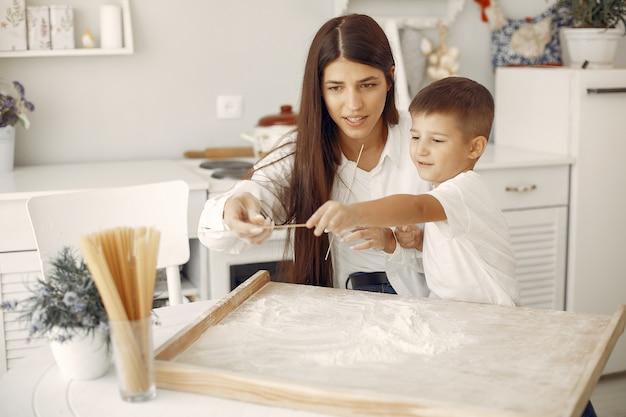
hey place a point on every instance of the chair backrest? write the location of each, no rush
(60, 219)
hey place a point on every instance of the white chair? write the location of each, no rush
(60, 220)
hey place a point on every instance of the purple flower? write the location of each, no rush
(8, 305)
(70, 298)
(20, 88)
(33, 329)
(13, 110)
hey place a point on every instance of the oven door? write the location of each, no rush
(226, 271)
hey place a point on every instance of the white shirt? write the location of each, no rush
(469, 257)
(394, 174)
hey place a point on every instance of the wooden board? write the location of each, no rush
(354, 353)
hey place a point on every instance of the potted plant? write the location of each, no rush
(65, 306)
(597, 25)
(13, 109)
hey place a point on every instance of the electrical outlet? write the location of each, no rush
(229, 107)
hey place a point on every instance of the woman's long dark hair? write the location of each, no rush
(360, 39)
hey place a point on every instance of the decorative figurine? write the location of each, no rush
(443, 61)
(88, 40)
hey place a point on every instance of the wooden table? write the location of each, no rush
(537, 352)
(355, 353)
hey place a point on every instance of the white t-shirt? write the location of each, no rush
(469, 257)
(394, 174)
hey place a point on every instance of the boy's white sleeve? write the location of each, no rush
(405, 272)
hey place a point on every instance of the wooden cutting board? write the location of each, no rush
(353, 353)
(216, 153)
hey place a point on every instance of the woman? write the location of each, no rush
(347, 115)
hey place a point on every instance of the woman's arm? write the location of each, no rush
(234, 220)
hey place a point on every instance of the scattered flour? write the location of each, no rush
(342, 329)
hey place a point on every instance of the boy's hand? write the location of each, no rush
(334, 217)
(410, 236)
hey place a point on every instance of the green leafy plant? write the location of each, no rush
(64, 304)
(14, 109)
(595, 13)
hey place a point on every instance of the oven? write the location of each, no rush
(221, 272)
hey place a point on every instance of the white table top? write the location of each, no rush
(26, 181)
(35, 387)
(502, 157)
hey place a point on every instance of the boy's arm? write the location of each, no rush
(384, 212)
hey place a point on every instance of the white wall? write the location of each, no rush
(160, 101)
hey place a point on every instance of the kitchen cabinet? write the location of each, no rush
(19, 261)
(18, 270)
(128, 48)
(532, 191)
(578, 113)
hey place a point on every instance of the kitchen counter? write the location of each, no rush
(504, 157)
(27, 181)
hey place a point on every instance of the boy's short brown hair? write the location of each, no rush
(470, 102)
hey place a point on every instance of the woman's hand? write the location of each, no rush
(377, 238)
(410, 236)
(242, 215)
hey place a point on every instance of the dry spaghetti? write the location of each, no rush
(123, 263)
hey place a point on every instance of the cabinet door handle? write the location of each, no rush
(520, 188)
(606, 90)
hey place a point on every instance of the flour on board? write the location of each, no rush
(343, 329)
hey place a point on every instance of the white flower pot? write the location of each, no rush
(84, 357)
(7, 148)
(596, 46)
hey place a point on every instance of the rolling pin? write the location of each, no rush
(220, 153)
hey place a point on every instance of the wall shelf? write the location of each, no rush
(445, 11)
(128, 48)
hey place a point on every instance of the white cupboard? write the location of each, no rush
(580, 113)
(534, 198)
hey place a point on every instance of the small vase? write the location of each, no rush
(7, 148)
(83, 358)
(595, 46)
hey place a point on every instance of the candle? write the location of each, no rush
(110, 26)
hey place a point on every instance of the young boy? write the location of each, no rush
(467, 253)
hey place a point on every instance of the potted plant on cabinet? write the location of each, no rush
(597, 25)
(65, 306)
(13, 109)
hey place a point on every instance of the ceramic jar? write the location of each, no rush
(83, 358)
(7, 148)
